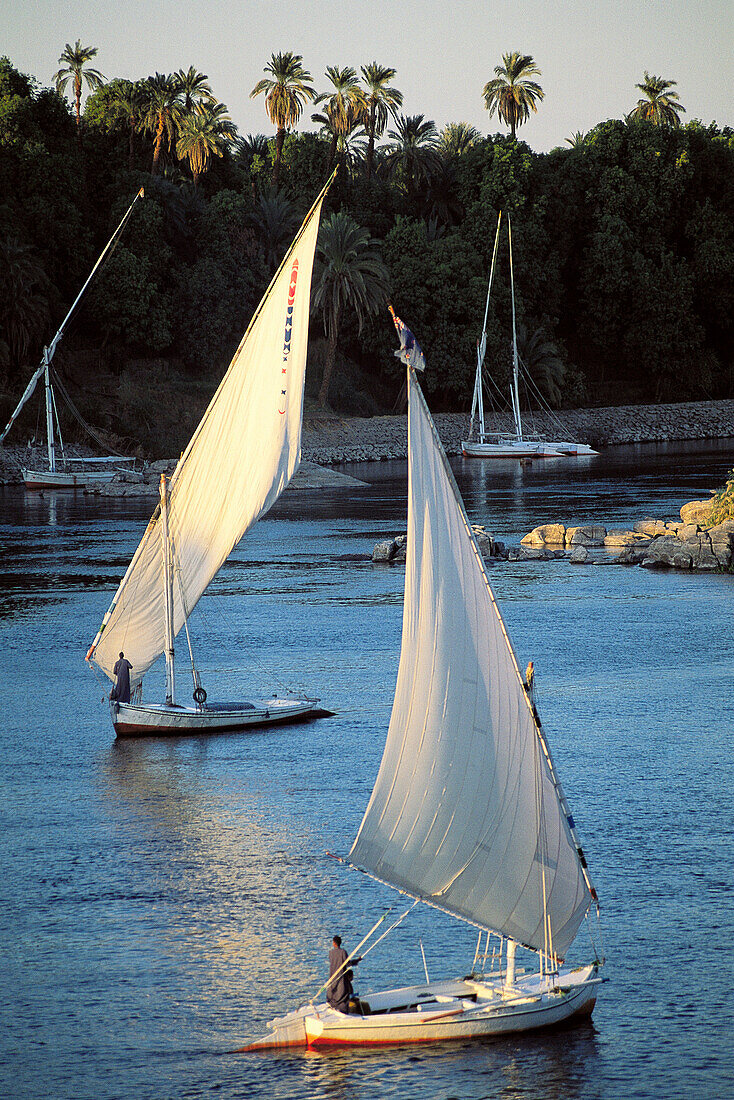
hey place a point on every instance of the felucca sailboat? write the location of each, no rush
(238, 462)
(517, 443)
(467, 813)
(63, 471)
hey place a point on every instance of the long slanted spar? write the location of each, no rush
(467, 812)
(238, 462)
(52, 477)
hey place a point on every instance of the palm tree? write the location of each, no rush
(345, 135)
(274, 220)
(350, 274)
(542, 360)
(287, 90)
(511, 94)
(344, 106)
(162, 112)
(661, 105)
(195, 88)
(576, 140)
(128, 103)
(456, 138)
(204, 133)
(382, 101)
(75, 58)
(413, 152)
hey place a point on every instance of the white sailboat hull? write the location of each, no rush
(440, 1011)
(162, 720)
(65, 479)
(532, 448)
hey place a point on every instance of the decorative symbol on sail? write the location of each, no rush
(288, 333)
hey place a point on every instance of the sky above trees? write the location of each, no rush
(591, 56)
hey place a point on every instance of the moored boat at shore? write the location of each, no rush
(63, 471)
(517, 443)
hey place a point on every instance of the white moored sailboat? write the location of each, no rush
(517, 443)
(467, 813)
(63, 471)
(238, 462)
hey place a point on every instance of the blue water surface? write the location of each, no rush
(162, 900)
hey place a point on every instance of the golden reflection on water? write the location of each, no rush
(226, 877)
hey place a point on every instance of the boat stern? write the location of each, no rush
(287, 1031)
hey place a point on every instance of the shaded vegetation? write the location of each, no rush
(623, 241)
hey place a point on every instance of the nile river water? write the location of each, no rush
(161, 900)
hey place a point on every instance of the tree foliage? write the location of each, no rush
(623, 238)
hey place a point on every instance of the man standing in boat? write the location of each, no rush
(122, 670)
(340, 989)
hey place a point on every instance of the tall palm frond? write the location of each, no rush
(162, 112)
(204, 133)
(194, 88)
(511, 94)
(287, 90)
(349, 275)
(456, 138)
(74, 58)
(661, 105)
(413, 152)
(345, 107)
(382, 103)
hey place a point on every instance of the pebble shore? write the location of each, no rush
(331, 440)
(352, 439)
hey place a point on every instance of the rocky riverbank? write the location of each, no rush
(691, 543)
(353, 439)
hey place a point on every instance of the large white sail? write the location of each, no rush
(465, 813)
(240, 459)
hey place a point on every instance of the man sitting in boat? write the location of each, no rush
(122, 670)
(340, 990)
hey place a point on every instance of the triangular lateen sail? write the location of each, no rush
(240, 459)
(465, 813)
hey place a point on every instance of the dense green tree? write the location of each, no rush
(73, 61)
(412, 156)
(382, 102)
(456, 138)
(287, 90)
(660, 104)
(219, 292)
(510, 93)
(24, 313)
(274, 219)
(438, 289)
(350, 275)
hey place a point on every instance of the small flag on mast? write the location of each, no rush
(410, 351)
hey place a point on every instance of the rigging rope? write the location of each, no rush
(78, 416)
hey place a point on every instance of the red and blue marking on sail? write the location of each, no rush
(288, 333)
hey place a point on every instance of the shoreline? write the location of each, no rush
(332, 440)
